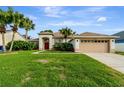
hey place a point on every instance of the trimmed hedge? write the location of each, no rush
(21, 45)
(64, 46)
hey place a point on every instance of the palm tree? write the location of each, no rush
(28, 25)
(48, 31)
(66, 32)
(16, 19)
(3, 23)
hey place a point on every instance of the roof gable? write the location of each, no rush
(92, 34)
(57, 34)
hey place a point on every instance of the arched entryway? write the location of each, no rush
(46, 43)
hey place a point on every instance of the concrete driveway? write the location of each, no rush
(112, 60)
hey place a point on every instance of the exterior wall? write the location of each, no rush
(0, 39)
(76, 43)
(53, 42)
(119, 47)
(112, 46)
(8, 37)
(50, 42)
(60, 40)
(41, 43)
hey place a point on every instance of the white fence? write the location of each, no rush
(119, 47)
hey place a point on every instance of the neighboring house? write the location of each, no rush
(8, 37)
(119, 42)
(85, 42)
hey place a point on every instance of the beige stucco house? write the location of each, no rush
(85, 42)
(8, 37)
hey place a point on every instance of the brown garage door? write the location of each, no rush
(100, 46)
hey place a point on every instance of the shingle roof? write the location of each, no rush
(45, 33)
(92, 34)
(85, 34)
(57, 34)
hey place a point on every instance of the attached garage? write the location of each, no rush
(94, 43)
(100, 46)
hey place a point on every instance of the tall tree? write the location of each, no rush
(4, 21)
(48, 31)
(66, 32)
(16, 19)
(27, 25)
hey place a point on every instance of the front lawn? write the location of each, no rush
(121, 53)
(52, 51)
(67, 70)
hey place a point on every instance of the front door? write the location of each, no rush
(46, 45)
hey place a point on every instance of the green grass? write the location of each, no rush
(66, 70)
(52, 51)
(121, 53)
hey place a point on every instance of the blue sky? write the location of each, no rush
(106, 20)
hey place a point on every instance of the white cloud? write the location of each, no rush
(102, 19)
(95, 9)
(57, 11)
(89, 10)
(31, 17)
(54, 11)
(74, 23)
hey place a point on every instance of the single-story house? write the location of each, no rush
(8, 37)
(119, 42)
(84, 42)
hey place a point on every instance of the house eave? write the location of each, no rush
(79, 37)
(111, 37)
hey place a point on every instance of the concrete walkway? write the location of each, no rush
(112, 60)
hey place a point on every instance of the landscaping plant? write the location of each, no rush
(21, 45)
(64, 46)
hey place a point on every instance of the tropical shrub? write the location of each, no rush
(64, 46)
(21, 45)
